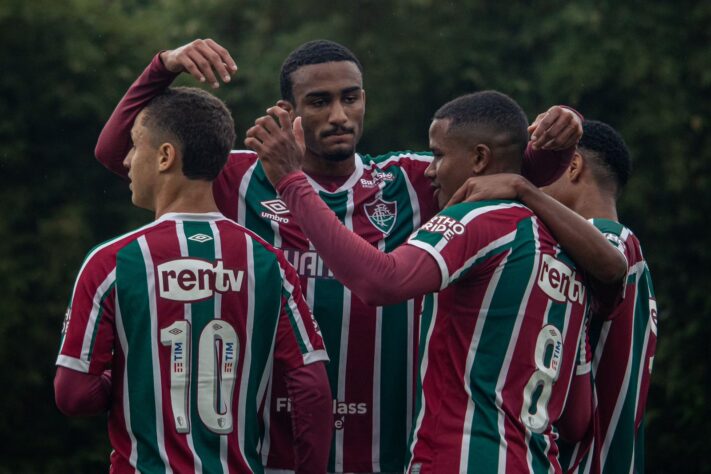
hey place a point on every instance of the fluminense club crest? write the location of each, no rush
(382, 214)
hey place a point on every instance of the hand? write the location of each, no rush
(495, 186)
(557, 129)
(205, 60)
(278, 142)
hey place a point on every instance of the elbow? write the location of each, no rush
(377, 295)
(616, 268)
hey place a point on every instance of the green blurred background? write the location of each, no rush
(644, 67)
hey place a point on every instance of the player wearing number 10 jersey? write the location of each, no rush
(189, 313)
(504, 315)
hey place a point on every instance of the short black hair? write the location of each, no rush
(606, 148)
(199, 122)
(312, 52)
(497, 113)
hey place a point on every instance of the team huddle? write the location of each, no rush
(300, 307)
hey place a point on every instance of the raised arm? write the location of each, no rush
(580, 239)
(554, 135)
(377, 278)
(203, 59)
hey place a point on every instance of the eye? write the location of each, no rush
(318, 103)
(350, 99)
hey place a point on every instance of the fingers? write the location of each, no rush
(298, 131)
(282, 116)
(459, 195)
(205, 60)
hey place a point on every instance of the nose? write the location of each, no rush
(127, 160)
(338, 113)
(431, 170)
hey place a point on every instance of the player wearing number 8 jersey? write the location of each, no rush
(189, 313)
(504, 314)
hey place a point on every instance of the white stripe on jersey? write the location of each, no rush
(243, 185)
(95, 308)
(217, 299)
(471, 354)
(443, 270)
(188, 316)
(348, 185)
(345, 327)
(503, 240)
(266, 441)
(247, 362)
(157, 392)
(424, 363)
(410, 365)
(121, 331)
(298, 319)
(405, 156)
(503, 445)
(474, 213)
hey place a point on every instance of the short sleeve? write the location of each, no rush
(87, 334)
(298, 339)
(459, 237)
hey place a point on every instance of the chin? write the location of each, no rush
(338, 155)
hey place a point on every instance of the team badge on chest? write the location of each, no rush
(382, 214)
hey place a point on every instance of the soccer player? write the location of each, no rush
(174, 327)
(383, 199)
(504, 310)
(623, 331)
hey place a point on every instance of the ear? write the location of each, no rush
(364, 97)
(288, 106)
(576, 167)
(481, 155)
(167, 157)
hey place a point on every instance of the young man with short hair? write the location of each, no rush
(173, 328)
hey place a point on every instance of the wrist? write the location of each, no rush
(522, 187)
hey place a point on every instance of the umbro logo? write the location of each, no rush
(277, 206)
(200, 238)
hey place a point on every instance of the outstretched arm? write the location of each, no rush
(580, 239)
(203, 59)
(377, 278)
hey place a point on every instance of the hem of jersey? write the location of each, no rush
(73, 363)
(443, 271)
(316, 356)
(349, 184)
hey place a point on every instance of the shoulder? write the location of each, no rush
(398, 159)
(467, 211)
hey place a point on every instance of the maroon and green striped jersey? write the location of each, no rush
(499, 342)
(372, 350)
(190, 313)
(623, 342)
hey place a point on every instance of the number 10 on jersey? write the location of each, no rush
(216, 364)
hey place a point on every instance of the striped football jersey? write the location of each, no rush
(623, 341)
(499, 342)
(372, 350)
(189, 312)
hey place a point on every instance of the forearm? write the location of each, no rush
(80, 394)
(580, 239)
(376, 277)
(312, 416)
(115, 138)
(542, 167)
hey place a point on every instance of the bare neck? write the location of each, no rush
(320, 166)
(593, 203)
(185, 196)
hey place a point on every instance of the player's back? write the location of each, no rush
(200, 307)
(623, 340)
(501, 341)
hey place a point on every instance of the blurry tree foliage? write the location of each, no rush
(644, 67)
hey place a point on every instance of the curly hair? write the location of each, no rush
(605, 148)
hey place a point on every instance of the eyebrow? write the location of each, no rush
(320, 94)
